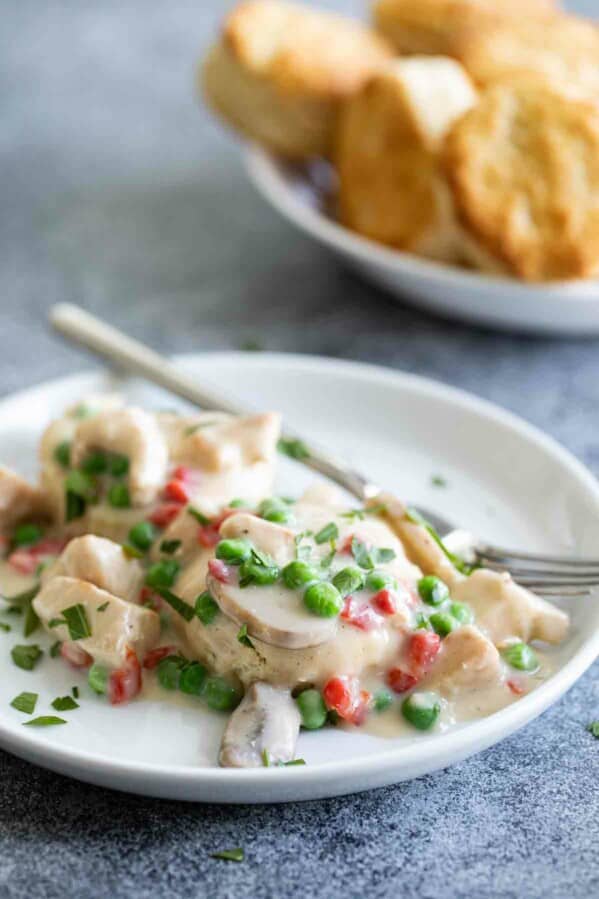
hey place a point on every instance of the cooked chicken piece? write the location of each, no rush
(266, 723)
(177, 427)
(101, 562)
(505, 610)
(135, 434)
(184, 528)
(121, 626)
(467, 661)
(235, 443)
(93, 403)
(19, 501)
(274, 539)
(114, 524)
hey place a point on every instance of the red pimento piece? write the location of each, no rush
(516, 688)
(208, 536)
(177, 491)
(346, 545)
(361, 616)
(165, 514)
(220, 571)
(422, 650)
(342, 695)
(359, 716)
(125, 683)
(185, 474)
(400, 681)
(24, 561)
(385, 601)
(157, 655)
(75, 655)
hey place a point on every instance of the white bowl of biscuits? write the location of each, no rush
(449, 152)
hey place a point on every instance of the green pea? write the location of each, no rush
(378, 580)
(169, 671)
(348, 580)
(62, 453)
(80, 484)
(274, 509)
(118, 466)
(461, 612)
(382, 700)
(432, 590)
(312, 709)
(26, 534)
(118, 496)
(323, 599)
(233, 551)
(97, 678)
(521, 656)
(206, 608)
(95, 463)
(443, 623)
(219, 694)
(252, 572)
(142, 535)
(421, 710)
(162, 574)
(192, 679)
(298, 574)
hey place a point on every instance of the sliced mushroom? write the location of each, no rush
(19, 500)
(265, 725)
(135, 434)
(273, 614)
(101, 562)
(505, 610)
(235, 443)
(467, 661)
(274, 539)
(115, 625)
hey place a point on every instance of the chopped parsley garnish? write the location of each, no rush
(370, 558)
(438, 480)
(27, 535)
(25, 702)
(242, 637)
(593, 728)
(44, 721)
(416, 518)
(170, 546)
(329, 532)
(229, 855)
(62, 454)
(5, 627)
(104, 606)
(64, 704)
(251, 345)
(199, 516)
(265, 758)
(31, 622)
(75, 619)
(55, 649)
(327, 560)
(295, 449)
(26, 656)
(20, 600)
(75, 692)
(132, 552)
(294, 762)
(175, 602)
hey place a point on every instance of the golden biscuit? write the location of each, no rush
(387, 154)
(523, 166)
(438, 26)
(561, 52)
(280, 72)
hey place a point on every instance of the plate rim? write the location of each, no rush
(263, 169)
(378, 768)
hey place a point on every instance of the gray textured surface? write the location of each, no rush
(119, 193)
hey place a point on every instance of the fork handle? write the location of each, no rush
(134, 358)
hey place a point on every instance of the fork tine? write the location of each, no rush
(562, 592)
(528, 581)
(497, 554)
(542, 573)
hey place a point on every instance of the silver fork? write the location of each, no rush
(548, 575)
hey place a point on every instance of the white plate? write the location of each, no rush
(556, 308)
(506, 481)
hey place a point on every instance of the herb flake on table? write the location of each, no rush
(31, 622)
(26, 656)
(65, 704)
(593, 728)
(25, 702)
(75, 692)
(44, 721)
(229, 855)
(437, 480)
